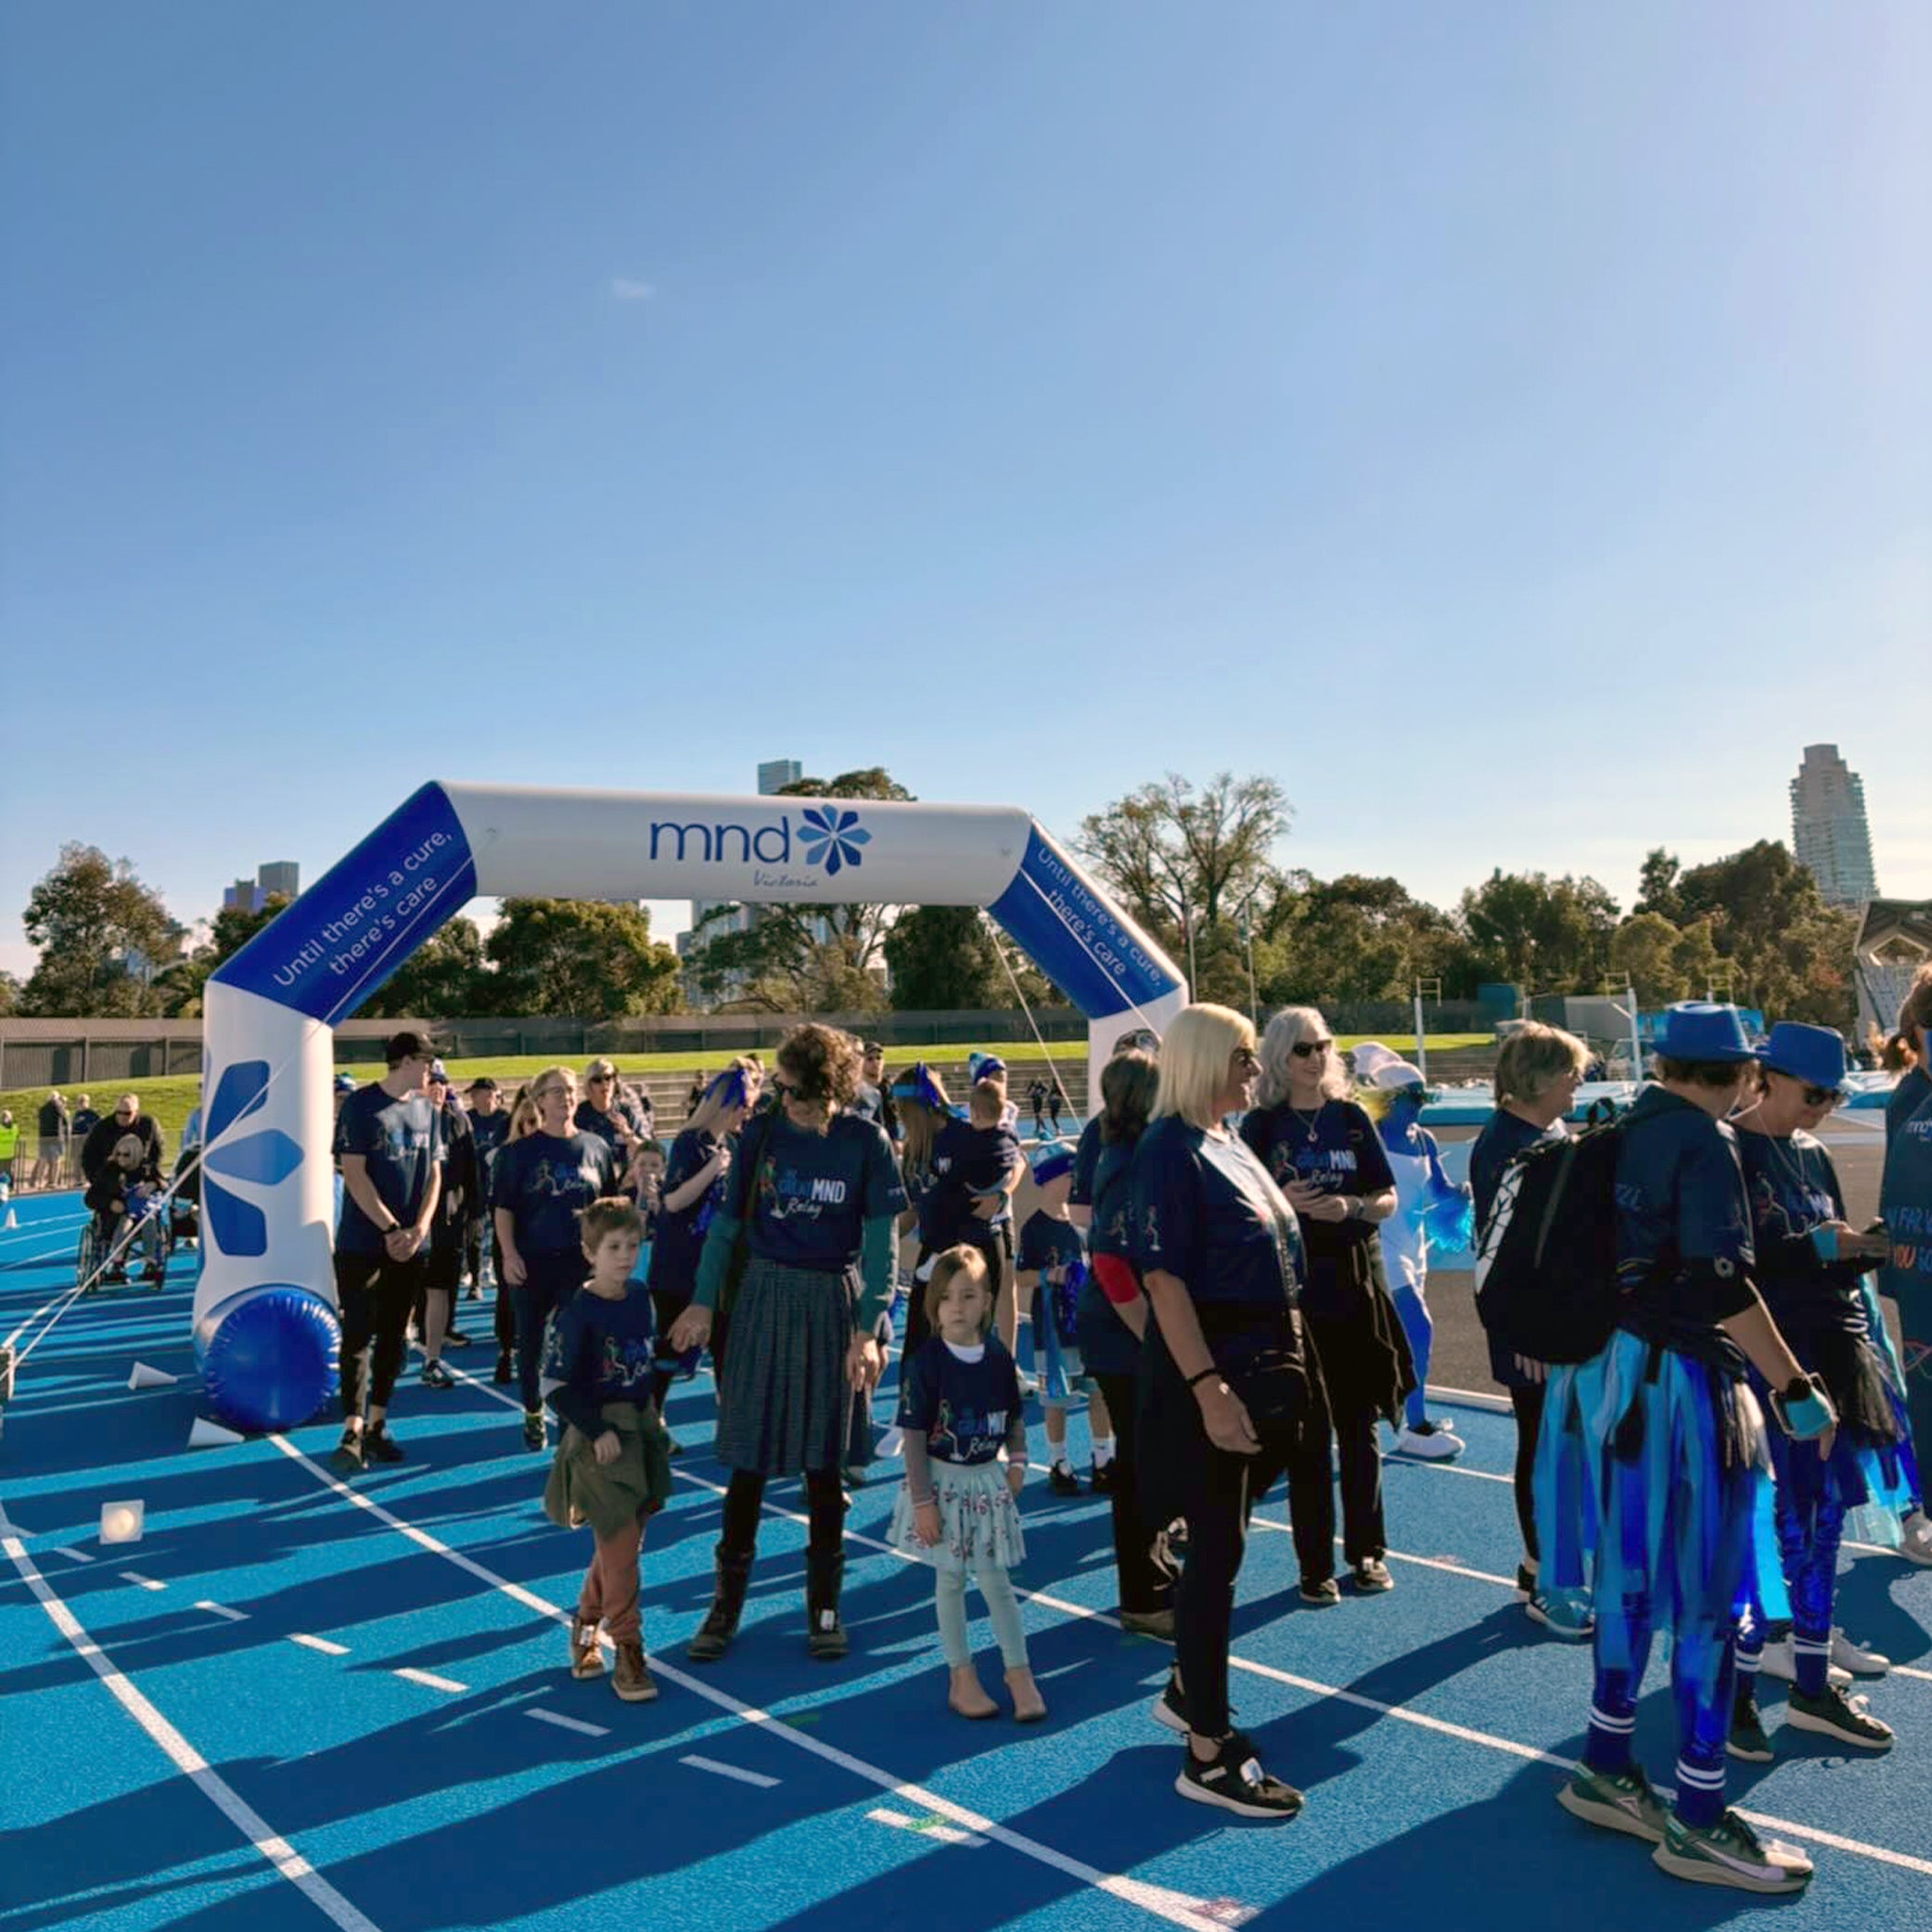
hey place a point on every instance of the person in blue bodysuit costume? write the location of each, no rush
(1429, 1207)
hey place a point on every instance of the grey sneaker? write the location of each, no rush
(1835, 1715)
(1620, 1802)
(1730, 1852)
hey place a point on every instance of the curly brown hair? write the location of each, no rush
(1915, 1011)
(820, 1063)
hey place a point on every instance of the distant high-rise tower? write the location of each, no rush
(1828, 829)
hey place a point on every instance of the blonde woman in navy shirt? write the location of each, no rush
(1230, 1396)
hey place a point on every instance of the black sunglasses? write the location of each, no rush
(1245, 1056)
(1816, 1096)
(1307, 1049)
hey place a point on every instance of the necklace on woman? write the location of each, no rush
(1310, 1122)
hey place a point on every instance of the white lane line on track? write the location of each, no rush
(1419, 1718)
(321, 1643)
(925, 1827)
(1879, 1853)
(139, 1581)
(249, 1823)
(1176, 1908)
(730, 1770)
(72, 1554)
(215, 1609)
(429, 1680)
(564, 1723)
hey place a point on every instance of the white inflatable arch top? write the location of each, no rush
(267, 1182)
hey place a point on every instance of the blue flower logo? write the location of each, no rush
(264, 1159)
(832, 837)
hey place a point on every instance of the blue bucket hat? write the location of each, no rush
(1814, 1055)
(1700, 1031)
(1052, 1165)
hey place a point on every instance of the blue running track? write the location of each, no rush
(299, 1701)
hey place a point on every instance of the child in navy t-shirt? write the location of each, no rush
(959, 1405)
(599, 1359)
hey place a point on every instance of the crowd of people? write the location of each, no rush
(1230, 1267)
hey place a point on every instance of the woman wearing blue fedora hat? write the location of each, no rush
(1674, 1439)
(1809, 1261)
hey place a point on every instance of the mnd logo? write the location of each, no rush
(832, 837)
(828, 840)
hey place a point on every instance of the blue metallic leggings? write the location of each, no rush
(1674, 1543)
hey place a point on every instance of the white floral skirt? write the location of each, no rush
(979, 1520)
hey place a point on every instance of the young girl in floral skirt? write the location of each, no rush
(959, 1405)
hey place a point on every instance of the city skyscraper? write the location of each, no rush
(1829, 834)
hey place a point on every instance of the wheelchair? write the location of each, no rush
(143, 1258)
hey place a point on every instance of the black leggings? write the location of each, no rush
(824, 1503)
(550, 1278)
(1225, 1488)
(1528, 1405)
(1143, 1587)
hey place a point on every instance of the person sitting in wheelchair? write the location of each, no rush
(128, 1196)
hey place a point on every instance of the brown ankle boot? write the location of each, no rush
(630, 1680)
(586, 1658)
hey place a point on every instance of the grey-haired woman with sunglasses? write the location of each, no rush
(1326, 1156)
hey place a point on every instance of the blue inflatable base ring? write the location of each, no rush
(269, 1357)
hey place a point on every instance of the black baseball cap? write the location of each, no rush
(482, 1083)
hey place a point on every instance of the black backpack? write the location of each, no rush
(1546, 1272)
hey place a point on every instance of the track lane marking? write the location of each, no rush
(731, 1770)
(188, 1761)
(1176, 1908)
(564, 1723)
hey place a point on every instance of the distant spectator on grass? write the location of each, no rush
(51, 1148)
(85, 1119)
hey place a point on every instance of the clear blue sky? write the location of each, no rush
(1510, 426)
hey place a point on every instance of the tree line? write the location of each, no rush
(1199, 866)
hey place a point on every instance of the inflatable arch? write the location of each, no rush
(265, 1326)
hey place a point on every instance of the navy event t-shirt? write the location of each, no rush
(599, 1351)
(401, 1141)
(680, 1231)
(963, 1409)
(968, 1161)
(814, 1193)
(545, 1181)
(1205, 1210)
(1337, 1150)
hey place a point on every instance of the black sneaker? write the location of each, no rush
(1103, 1479)
(380, 1446)
(1835, 1715)
(1372, 1576)
(533, 1434)
(1170, 1710)
(347, 1457)
(1748, 1740)
(436, 1376)
(1234, 1779)
(1321, 1593)
(505, 1374)
(455, 1339)
(1062, 1481)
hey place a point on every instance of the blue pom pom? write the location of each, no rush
(270, 1362)
(1450, 1221)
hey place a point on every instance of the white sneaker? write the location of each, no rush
(1780, 1660)
(1848, 1654)
(1431, 1442)
(1917, 1545)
